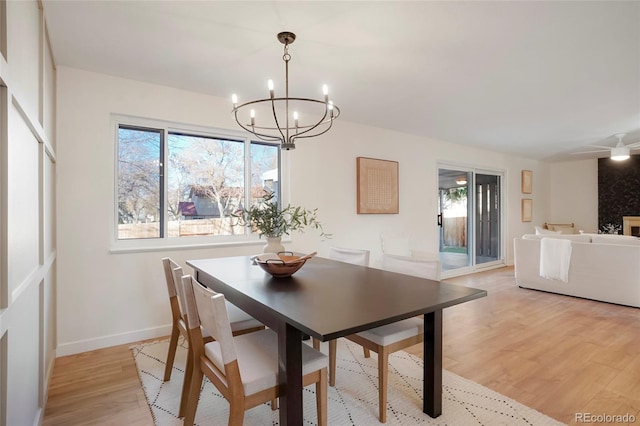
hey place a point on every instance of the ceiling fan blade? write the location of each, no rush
(590, 152)
(599, 146)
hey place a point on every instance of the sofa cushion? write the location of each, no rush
(578, 238)
(615, 239)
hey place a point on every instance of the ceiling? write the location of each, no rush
(535, 79)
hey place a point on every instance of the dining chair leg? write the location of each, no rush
(186, 384)
(321, 397)
(316, 344)
(274, 404)
(194, 396)
(383, 374)
(333, 344)
(171, 355)
(236, 413)
(367, 353)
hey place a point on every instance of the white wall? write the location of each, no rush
(106, 298)
(573, 196)
(324, 174)
(27, 214)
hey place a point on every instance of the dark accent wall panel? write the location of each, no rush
(618, 190)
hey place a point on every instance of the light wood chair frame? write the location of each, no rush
(383, 364)
(383, 352)
(229, 381)
(173, 274)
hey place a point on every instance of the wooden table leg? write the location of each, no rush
(432, 374)
(290, 375)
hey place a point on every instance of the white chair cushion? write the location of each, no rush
(395, 332)
(239, 319)
(258, 359)
(245, 325)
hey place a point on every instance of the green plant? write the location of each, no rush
(271, 221)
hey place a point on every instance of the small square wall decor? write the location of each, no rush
(377, 186)
(527, 181)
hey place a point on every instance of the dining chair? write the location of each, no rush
(243, 368)
(399, 335)
(355, 257)
(241, 323)
(425, 266)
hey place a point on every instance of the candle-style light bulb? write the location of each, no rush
(295, 118)
(270, 85)
(234, 100)
(325, 92)
(252, 113)
(330, 106)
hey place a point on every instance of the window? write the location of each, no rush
(189, 182)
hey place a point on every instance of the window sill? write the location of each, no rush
(138, 246)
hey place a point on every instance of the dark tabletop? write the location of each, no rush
(326, 298)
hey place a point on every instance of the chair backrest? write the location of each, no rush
(411, 266)
(395, 244)
(207, 308)
(355, 256)
(177, 278)
(168, 265)
(173, 287)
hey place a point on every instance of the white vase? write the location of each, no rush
(274, 245)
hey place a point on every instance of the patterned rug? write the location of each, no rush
(354, 400)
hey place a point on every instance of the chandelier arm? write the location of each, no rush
(261, 136)
(315, 134)
(268, 138)
(275, 118)
(322, 121)
(246, 104)
(298, 134)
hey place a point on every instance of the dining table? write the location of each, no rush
(329, 299)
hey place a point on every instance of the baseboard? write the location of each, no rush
(39, 417)
(112, 340)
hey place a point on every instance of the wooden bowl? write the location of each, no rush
(282, 265)
(280, 269)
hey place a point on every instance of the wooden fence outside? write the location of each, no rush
(180, 228)
(455, 231)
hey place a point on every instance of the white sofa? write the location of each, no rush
(603, 267)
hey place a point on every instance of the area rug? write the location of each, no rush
(353, 401)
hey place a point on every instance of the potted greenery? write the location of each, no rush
(267, 218)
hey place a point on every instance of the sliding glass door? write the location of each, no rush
(469, 219)
(487, 218)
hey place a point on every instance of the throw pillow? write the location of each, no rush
(563, 229)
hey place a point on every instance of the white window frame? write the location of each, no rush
(176, 243)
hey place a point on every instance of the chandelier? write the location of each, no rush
(287, 118)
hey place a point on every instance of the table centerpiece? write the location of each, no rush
(268, 219)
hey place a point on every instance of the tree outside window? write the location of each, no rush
(206, 182)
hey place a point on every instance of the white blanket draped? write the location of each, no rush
(555, 259)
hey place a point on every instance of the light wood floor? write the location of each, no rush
(557, 354)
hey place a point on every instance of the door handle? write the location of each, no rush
(440, 220)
